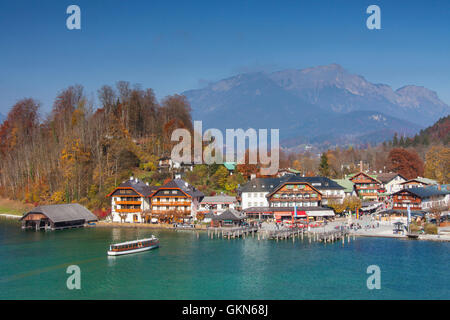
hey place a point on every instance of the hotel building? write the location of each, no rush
(130, 201)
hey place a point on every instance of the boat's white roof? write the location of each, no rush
(133, 241)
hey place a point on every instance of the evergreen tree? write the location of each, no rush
(395, 140)
(324, 167)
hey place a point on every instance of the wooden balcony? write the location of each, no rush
(368, 188)
(172, 212)
(397, 207)
(293, 199)
(407, 201)
(128, 210)
(358, 181)
(298, 190)
(138, 203)
(171, 203)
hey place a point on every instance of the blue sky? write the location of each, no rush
(172, 46)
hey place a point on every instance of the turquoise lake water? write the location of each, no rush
(33, 266)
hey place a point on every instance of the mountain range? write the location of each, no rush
(319, 105)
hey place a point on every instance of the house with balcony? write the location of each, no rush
(330, 190)
(420, 199)
(130, 201)
(366, 186)
(391, 181)
(176, 201)
(297, 200)
(253, 193)
(418, 182)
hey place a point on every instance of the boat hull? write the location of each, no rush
(119, 253)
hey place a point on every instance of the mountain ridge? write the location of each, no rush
(304, 102)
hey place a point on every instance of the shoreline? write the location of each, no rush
(424, 237)
(10, 216)
(103, 224)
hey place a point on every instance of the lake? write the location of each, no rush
(33, 266)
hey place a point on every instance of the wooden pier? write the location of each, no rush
(282, 234)
(332, 236)
(279, 234)
(232, 232)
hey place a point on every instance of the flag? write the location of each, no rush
(409, 214)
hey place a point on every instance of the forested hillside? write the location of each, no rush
(438, 133)
(78, 152)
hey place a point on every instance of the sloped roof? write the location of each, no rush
(138, 185)
(318, 182)
(373, 176)
(426, 192)
(261, 184)
(230, 165)
(345, 183)
(270, 184)
(421, 180)
(64, 212)
(185, 187)
(230, 214)
(388, 176)
(219, 198)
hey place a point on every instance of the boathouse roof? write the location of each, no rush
(230, 214)
(63, 212)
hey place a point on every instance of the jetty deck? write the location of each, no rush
(232, 232)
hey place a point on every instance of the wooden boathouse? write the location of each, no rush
(58, 216)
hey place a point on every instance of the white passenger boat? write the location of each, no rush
(134, 246)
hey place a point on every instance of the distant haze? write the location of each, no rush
(324, 104)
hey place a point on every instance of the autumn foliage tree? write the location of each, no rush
(79, 151)
(406, 163)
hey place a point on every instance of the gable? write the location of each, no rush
(295, 186)
(129, 192)
(170, 192)
(362, 177)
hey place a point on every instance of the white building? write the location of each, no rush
(253, 194)
(129, 200)
(217, 204)
(392, 182)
